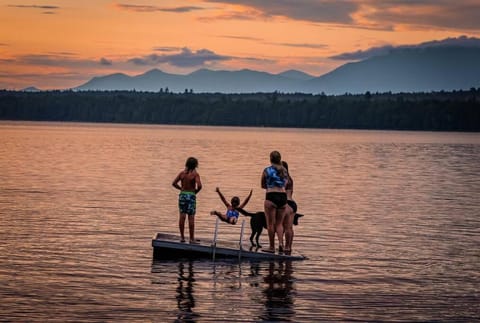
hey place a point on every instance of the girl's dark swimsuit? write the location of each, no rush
(277, 198)
(293, 205)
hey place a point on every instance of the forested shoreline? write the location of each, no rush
(436, 111)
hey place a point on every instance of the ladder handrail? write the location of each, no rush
(214, 243)
(215, 236)
(240, 242)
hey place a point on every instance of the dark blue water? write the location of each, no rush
(391, 227)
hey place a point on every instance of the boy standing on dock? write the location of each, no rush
(190, 185)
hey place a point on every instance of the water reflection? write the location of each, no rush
(185, 289)
(396, 217)
(227, 275)
(218, 290)
(279, 292)
(184, 296)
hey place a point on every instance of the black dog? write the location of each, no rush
(258, 222)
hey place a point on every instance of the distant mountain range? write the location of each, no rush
(31, 89)
(203, 80)
(434, 66)
(406, 70)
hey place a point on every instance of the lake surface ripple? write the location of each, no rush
(391, 227)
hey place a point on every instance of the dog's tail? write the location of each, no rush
(243, 212)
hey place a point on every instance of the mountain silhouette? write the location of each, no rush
(31, 89)
(203, 80)
(296, 75)
(452, 64)
(405, 70)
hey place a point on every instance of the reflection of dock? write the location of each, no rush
(168, 246)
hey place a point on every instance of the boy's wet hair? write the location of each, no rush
(235, 201)
(191, 163)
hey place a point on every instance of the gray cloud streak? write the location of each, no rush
(60, 61)
(310, 10)
(262, 41)
(50, 9)
(242, 37)
(35, 7)
(140, 8)
(105, 62)
(458, 15)
(186, 58)
(183, 57)
(298, 45)
(167, 49)
(462, 41)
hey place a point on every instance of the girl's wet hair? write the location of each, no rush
(275, 157)
(235, 201)
(276, 160)
(191, 163)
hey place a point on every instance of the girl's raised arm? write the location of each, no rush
(246, 200)
(224, 200)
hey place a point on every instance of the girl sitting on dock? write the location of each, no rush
(231, 216)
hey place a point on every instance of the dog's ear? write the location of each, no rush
(296, 217)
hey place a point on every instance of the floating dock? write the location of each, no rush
(167, 246)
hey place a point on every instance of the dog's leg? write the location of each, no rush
(251, 238)
(259, 232)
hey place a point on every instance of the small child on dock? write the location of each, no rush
(231, 215)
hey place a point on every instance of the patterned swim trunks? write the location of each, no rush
(187, 202)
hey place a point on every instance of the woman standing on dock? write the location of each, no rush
(274, 180)
(190, 185)
(291, 210)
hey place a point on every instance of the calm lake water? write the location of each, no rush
(391, 227)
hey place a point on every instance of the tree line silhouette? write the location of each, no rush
(439, 111)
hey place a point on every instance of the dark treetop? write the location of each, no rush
(442, 111)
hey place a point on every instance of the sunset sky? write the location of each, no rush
(58, 44)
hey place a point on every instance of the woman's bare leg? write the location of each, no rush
(270, 215)
(288, 228)
(279, 216)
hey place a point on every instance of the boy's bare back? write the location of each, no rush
(190, 181)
